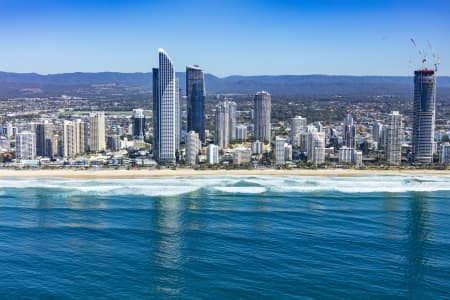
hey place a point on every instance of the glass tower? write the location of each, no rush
(195, 91)
(165, 124)
(424, 115)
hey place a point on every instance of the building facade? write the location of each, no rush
(73, 138)
(25, 145)
(196, 94)
(424, 116)
(193, 146)
(262, 117)
(138, 124)
(165, 121)
(393, 149)
(97, 132)
(225, 123)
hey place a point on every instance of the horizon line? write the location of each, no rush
(226, 76)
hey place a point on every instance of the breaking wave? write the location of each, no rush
(174, 186)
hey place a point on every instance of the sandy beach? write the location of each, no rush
(146, 173)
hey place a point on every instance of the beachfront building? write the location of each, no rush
(193, 146)
(262, 117)
(377, 133)
(283, 151)
(424, 116)
(257, 147)
(394, 139)
(212, 154)
(241, 132)
(315, 146)
(97, 132)
(444, 153)
(166, 119)
(44, 135)
(350, 156)
(225, 123)
(298, 126)
(196, 94)
(138, 124)
(26, 145)
(74, 138)
(241, 155)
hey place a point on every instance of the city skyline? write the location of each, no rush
(239, 38)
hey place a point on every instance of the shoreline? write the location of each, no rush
(146, 173)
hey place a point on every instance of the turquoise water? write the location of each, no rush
(374, 237)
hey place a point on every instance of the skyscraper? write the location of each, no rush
(44, 132)
(225, 125)
(74, 139)
(164, 110)
(195, 92)
(394, 138)
(349, 132)
(26, 145)
(424, 115)
(138, 124)
(97, 134)
(193, 146)
(212, 154)
(298, 126)
(315, 146)
(263, 110)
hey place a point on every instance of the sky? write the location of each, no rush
(225, 37)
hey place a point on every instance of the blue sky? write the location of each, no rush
(225, 37)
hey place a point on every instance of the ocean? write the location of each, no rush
(229, 237)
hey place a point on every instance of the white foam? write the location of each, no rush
(174, 186)
(241, 189)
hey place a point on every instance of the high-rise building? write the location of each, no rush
(350, 156)
(349, 131)
(196, 94)
(280, 144)
(377, 130)
(424, 116)
(25, 145)
(74, 139)
(263, 111)
(315, 146)
(165, 116)
(257, 147)
(113, 142)
(444, 153)
(225, 123)
(241, 132)
(298, 126)
(193, 146)
(44, 133)
(97, 134)
(394, 138)
(212, 154)
(138, 124)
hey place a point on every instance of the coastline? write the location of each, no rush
(146, 173)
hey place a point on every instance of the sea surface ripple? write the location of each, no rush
(230, 237)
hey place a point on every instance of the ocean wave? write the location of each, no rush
(175, 186)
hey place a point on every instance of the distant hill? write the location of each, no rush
(285, 85)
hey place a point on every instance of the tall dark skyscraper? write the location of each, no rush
(165, 122)
(263, 112)
(138, 124)
(43, 139)
(195, 92)
(424, 115)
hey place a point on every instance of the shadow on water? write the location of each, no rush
(417, 234)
